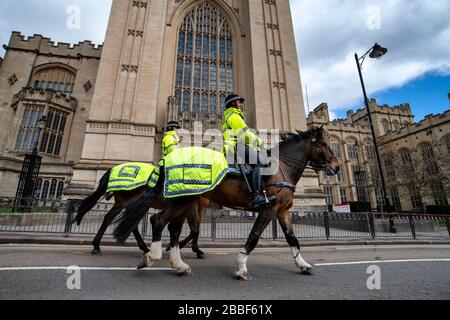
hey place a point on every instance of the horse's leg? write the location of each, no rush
(140, 241)
(263, 220)
(175, 257)
(285, 219)
(159, 222)
(108, 219)
(194, 219)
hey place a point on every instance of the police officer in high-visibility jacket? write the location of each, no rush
(170, 141)
(236, 132)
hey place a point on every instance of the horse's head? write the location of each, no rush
(321, 157)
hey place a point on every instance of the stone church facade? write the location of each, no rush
(161, 60)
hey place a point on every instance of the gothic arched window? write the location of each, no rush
(55, 76)
(429, 158)
(204, 72)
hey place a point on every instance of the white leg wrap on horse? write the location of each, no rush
(299, 262)
(156, 250)
(241, 263)
(176, 261)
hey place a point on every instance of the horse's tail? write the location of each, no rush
(134, 212)
(88, 203)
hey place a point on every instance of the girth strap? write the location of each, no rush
(284, 184)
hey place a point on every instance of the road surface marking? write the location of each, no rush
(378, 262)
(81, 268)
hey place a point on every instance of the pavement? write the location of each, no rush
(74, 239)
(369, 271)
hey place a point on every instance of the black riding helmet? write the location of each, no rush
(171, 125)
(232, 98)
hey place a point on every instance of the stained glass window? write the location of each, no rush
(204, 60)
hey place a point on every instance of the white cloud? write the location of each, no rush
(49, 18)
(328, 33)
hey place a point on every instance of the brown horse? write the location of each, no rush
(296, 151)
(121, 199)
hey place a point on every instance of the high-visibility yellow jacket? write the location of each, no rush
(170, 142)
(234, 129)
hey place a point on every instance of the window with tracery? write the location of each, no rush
(386, 126)
(204, 69)
(27, 137)
(53, 132)
(429, 158)
(49, 188)
(50, 136)
(55, 78)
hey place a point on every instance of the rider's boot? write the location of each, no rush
(259, 201)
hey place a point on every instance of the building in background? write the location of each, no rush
(415, 157)
(161, 60)
(39, 77)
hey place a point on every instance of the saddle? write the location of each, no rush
(236, 169)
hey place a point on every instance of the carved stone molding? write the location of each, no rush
(270, 2)
(135, 33)
(274, 52)
(279, 85)
(140, 4)
(121, 128)
(273, 26)
(129, 68)
(59, 99)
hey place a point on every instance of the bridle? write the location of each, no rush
(308, 164)
(298, 163)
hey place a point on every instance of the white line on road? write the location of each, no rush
(378, 262)
(81, 268)
(170, 269)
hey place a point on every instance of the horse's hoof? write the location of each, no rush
(185, 273)
(306, 271)
(96, 252)
(145, 262)
(200, 255)
(243, 276)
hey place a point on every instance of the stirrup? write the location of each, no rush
(261, 202)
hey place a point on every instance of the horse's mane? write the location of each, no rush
(312, 133)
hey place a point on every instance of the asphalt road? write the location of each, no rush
(340, 273)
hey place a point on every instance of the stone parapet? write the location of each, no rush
(38, 43)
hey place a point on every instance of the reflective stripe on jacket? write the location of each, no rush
(170, 142)
(234, 129)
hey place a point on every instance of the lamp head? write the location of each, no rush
(378, 51)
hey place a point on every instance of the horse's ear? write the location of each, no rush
(320, 133)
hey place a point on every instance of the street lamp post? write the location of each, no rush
(375, 52)
(29, 174)
(358, 174)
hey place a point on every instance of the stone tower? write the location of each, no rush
(180, 58)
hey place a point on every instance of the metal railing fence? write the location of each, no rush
(54, 216)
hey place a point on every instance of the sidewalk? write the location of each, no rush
(60, 239)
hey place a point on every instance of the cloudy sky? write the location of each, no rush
(328, 33)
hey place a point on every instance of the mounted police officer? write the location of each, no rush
(170, 141)
(238, 136)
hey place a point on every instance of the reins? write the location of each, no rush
(297, 163)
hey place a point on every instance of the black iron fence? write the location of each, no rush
(54, 216)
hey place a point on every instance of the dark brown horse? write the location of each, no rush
(296, 152)
(121, 199)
